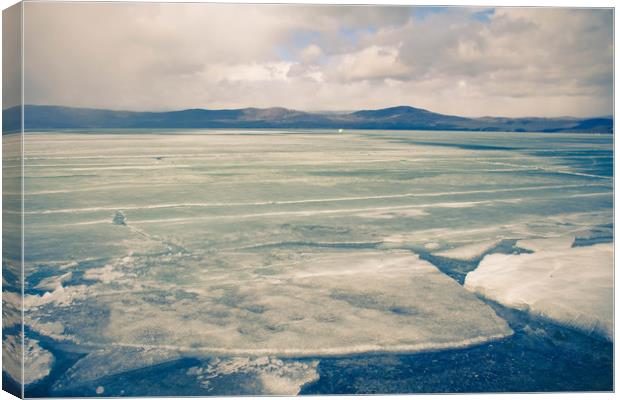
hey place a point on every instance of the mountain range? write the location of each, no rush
(38, 117)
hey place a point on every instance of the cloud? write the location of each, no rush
(11, 56)
(466, 61)
(372, 63)
(252, 72)
(310, 54)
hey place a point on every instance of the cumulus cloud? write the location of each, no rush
(372, 63)
(310, 54)
(466, 61)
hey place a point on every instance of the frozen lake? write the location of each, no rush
(274, 262)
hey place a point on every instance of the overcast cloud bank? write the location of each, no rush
(466, 61)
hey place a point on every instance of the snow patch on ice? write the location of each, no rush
(563, 225)
(557, 243)
(469, 252)
(11, 309)
(54, 282)
(71, 264)
(105, 274)
(276, 376)
(61, 297)
(37, 360)
(51, 329)
(572, 286)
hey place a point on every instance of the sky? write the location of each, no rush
(511, 62)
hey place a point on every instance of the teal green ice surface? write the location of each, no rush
(237, 245)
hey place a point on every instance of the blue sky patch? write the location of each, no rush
(420, 13)
(484, 15)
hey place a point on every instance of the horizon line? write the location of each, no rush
(303, 111)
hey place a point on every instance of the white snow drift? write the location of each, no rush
(570, 285)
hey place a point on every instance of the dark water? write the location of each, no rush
(539, 357)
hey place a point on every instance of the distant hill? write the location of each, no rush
(402, 117)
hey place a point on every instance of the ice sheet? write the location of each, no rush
(281, 244)
(325, 303)
(572, 286)
(102, 363)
